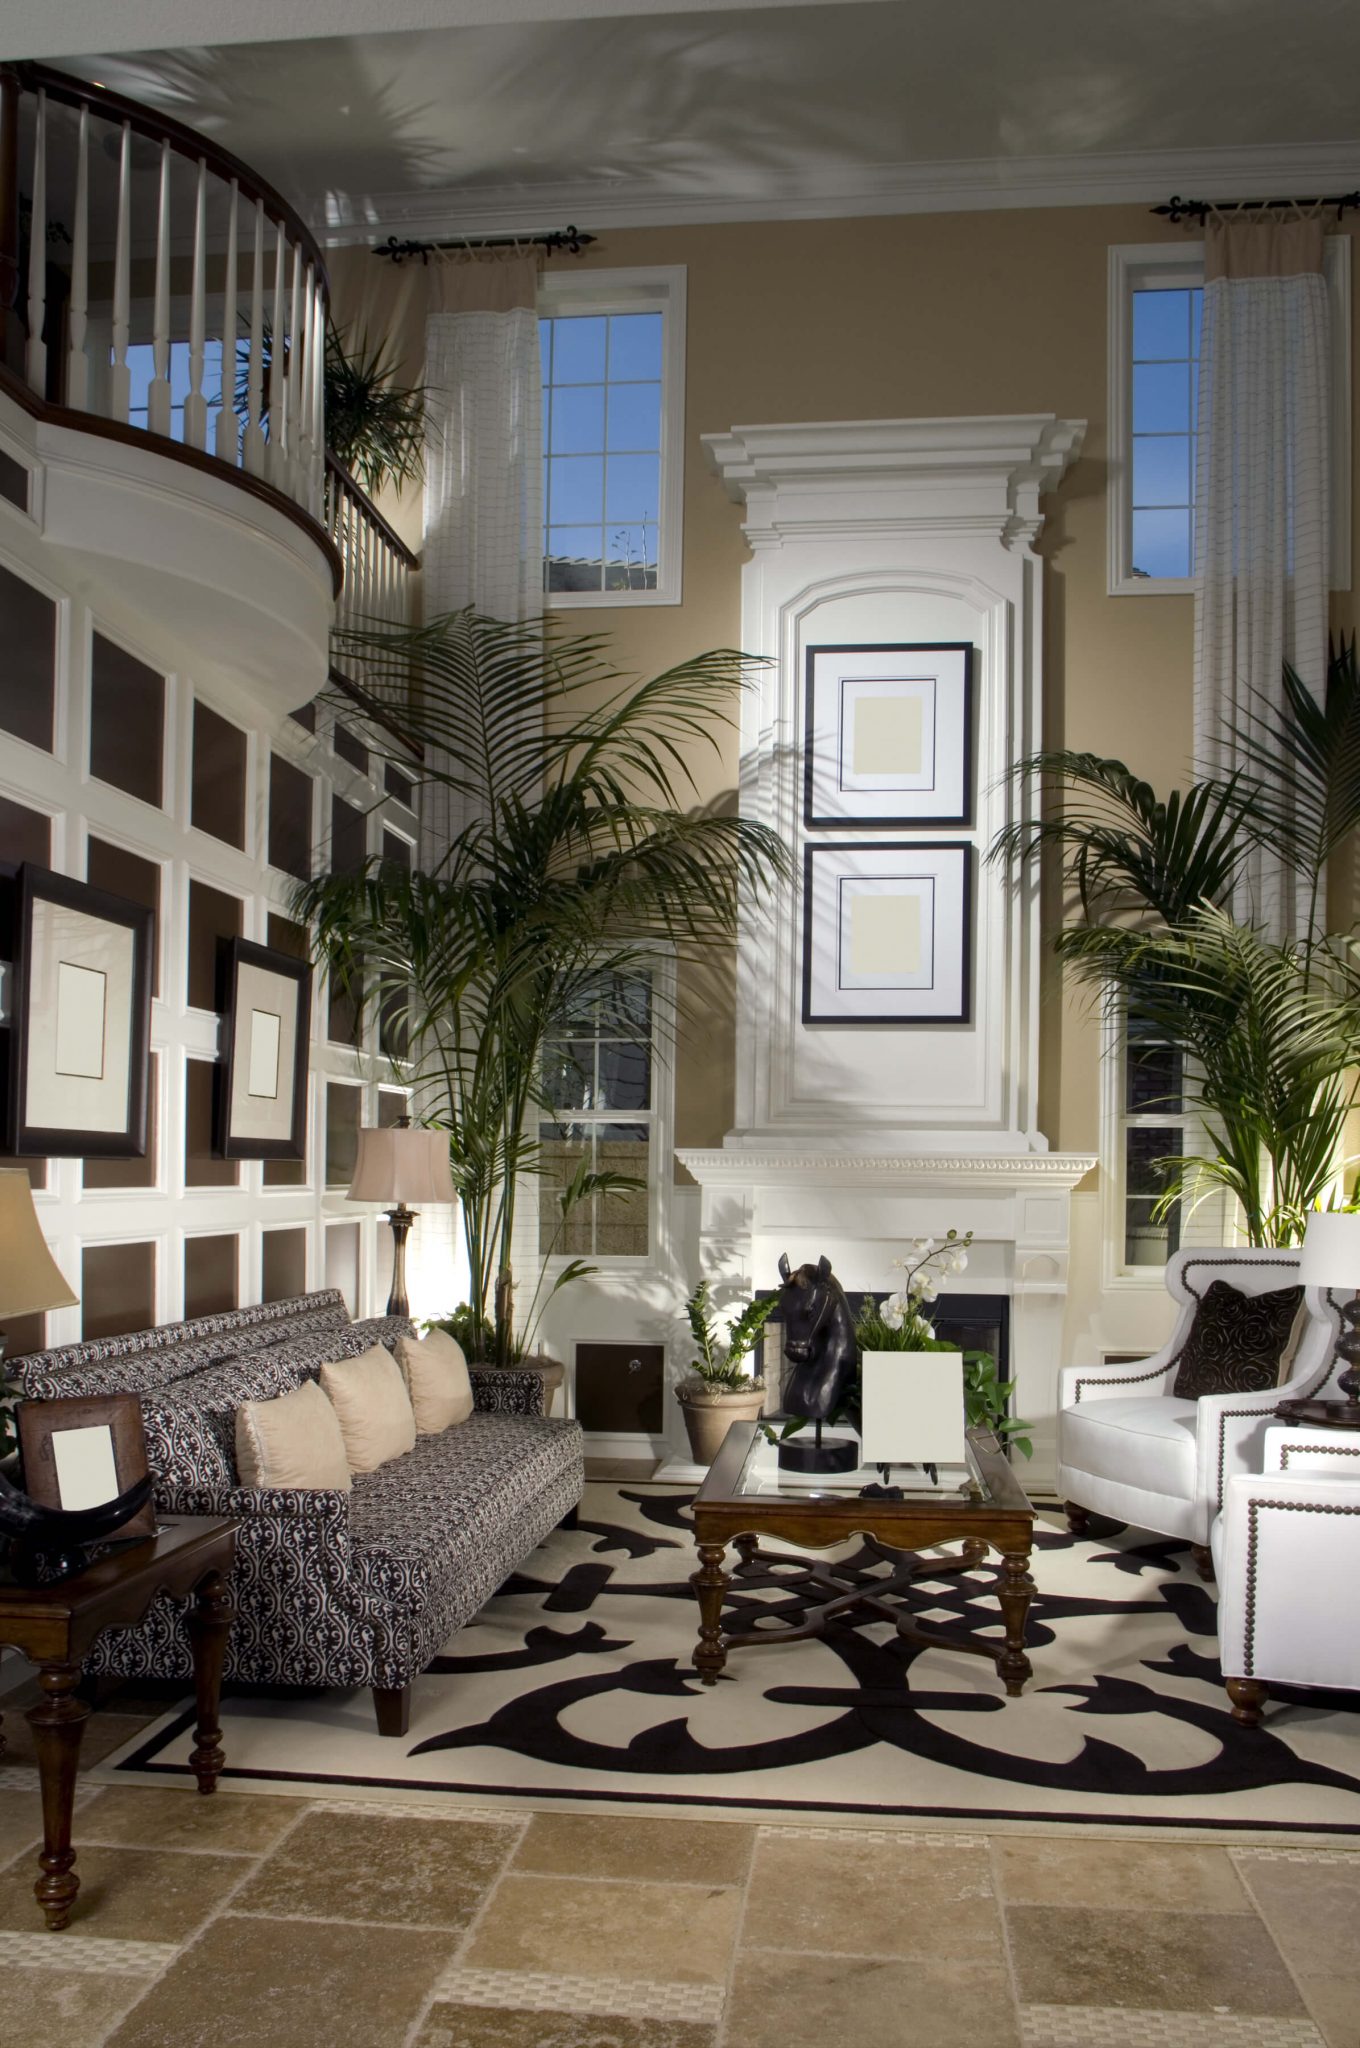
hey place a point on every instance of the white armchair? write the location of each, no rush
(1130, 1448)
(1287, 1553)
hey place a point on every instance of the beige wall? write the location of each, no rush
(907, 316)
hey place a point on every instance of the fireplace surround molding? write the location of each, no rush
(852, 1139)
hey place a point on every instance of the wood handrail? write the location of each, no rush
(175, 451)
(186, 141)
(372, 514)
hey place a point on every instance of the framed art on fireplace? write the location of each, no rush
(81, 1020)
(261, 1102)
(888, 735)
(887, 933)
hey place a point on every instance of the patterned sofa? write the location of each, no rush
(343, 1589)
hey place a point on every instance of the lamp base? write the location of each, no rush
(1321, 1414)
(401, 1218)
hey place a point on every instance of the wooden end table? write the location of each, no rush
(745, 1496)
(55, 1626)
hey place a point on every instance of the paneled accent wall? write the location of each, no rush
(162, 785)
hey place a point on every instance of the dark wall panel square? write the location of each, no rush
(344, 1009)
(218, 777)
(131, 1173)
(621, 1387)
(284, 1272)
(285, 935)
(395, 849)
(117, 1289)
(348, 835)
(36, 1169)
(28, 633)
(398, 785)
(24, 834)
(127, 874)
(342, 1262)
(392, 1103)
(343, 1104)
(290, 818)
(213, 916)
(24, 1334)
(349, 747)
(13, 481)
(127, 721)
(201, 1170)
(210, 1266)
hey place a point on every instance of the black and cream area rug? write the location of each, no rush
(575, 1687)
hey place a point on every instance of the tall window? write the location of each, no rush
(1156, 304)
(1152, 1127)
(599, 1078)
(613, 356)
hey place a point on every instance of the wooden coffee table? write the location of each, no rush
(56, 1625)
(745, 1496)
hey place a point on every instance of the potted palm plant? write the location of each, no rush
(719, 1389)
(575, 858)
(1268, 1028)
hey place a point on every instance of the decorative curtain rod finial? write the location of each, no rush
(570, 241)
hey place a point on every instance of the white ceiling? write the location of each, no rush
(714, 111)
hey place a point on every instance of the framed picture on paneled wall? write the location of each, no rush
(888, 735)
(266, 1004)
(81, 1020)
(887, 933)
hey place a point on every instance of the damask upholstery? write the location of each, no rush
(1131, 1448)
(1286, 1552)
(331, 1588)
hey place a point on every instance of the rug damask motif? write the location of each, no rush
(575, 1684)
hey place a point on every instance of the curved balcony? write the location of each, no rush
(162, 351)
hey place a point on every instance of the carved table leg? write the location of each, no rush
(1248, 1696)
(210, 1621)
(58, 1722)
(1015, 1590)
(710, 1584)
(1078, 1520)
(746, 1548)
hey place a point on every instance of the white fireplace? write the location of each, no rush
(850, 1139)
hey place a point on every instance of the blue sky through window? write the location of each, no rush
(1165, 397)
(601, 450)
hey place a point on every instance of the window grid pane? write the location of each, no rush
(1163, 411)
(601, 450)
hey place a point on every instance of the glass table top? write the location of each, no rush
(747, 1468)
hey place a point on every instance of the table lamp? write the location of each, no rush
(29, 1279)
(1331, 1258)
(400, 1164)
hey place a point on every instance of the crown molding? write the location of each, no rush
(846, 191)
(893, 1170)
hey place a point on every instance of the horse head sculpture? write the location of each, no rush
(819, 1339)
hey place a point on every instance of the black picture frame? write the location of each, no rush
(921, 854)
(886, 816)
(123, 1032)
(230, 1096)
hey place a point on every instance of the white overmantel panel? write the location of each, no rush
(873, 532)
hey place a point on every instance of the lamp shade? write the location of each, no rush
(29, 1279)
(402, 1165)
(1331, 1250)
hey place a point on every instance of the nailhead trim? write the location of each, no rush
(1288, 1507)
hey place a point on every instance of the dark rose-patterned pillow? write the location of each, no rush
(1236, 1342)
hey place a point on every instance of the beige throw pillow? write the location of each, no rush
(293, 1440)
(436, 1379)
(369, 1396)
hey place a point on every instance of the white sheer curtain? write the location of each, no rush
(483, 459)
(1261, 508)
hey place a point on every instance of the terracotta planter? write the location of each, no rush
(709, 1413)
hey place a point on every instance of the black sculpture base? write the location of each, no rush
(819, 1454)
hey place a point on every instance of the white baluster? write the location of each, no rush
(253, 450)
(278, 372)
(158, 393)
(195, 404)
(37, 255)
(293, 469)
(319, 387)
(304, 410)
(77, 362)
(120, 376)
(228, 431)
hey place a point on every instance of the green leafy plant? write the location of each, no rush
(719, 1359)
(987, 1399)
(1268, 1029)
(375, 427)
(575, 859)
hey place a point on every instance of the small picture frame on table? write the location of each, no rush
(887, 933)
(261, 1101)
(80, 1035)
(83, 1450)
(888, 736)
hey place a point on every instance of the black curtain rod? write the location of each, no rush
(572, 240)
(1178, 209)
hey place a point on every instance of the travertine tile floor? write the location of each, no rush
(254, 1922)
